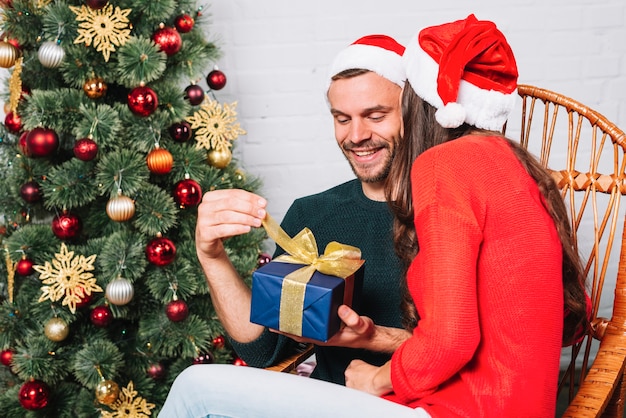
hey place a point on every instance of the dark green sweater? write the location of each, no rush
(344, 214)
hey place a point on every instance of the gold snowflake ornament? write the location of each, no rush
(216, 125)
(104, 28)
(67, 278)
(129, 405)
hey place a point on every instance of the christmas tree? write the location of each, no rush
(108, 143)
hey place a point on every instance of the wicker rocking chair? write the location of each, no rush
(585, 153)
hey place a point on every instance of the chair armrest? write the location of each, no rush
(604, 383)
(289, 364)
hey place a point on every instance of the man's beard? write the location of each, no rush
(379, 176)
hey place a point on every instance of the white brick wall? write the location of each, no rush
(276, 54)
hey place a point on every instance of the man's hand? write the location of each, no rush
(223, 214)
(360, 332)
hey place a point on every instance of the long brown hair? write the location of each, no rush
(421, 132)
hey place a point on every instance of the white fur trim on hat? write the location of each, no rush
(451, 115)
(382, 61)
(485, 109)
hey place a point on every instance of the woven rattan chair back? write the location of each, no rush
(585, 153)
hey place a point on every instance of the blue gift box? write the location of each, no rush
(322, 298)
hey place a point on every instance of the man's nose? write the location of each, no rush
(359, 131)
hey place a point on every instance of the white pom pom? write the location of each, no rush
(451, 115)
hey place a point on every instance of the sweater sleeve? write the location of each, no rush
(442, 278)
(266, 350)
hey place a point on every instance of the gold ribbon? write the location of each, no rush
(339, 260)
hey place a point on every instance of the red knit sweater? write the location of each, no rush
(487, 285)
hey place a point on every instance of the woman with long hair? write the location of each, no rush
(483, 231)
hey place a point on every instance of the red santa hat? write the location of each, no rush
(466, 70)
(378, 53)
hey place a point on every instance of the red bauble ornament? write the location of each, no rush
(204, 358)
(24, 267)
(41, 142)
(7, 37)
(194, 94)
(96, 4)
(34, 395)
(159, 161)
(13, 122)
(31, 192)
(156, 371)
(142, 101)
(177, 310)
(181, 131)
(216, 79)
(66, 226)
(6, 357)
(187, 193)
(21, 143)
(101, 316)
(239, 362)
(85, 299)
(264, 258)
(168, 39)
(160, 251)
(184, 23)
(85, 149)
(219, 341)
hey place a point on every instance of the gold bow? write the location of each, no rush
(339, 260)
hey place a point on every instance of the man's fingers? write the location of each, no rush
(235, 199)
(350, 317)
(231, 208)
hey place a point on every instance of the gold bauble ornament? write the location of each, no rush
(121, 208)
(107, 392)
(220, 158)
(160, 161)
(240, 175)
(56, 329)
(50, 54)
(95, 88)
(120, 291)
(8, 54)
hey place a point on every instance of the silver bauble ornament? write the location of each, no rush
(50, 54)
(8, 54)
(120, 291)
(121, 208)
(56, 329)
